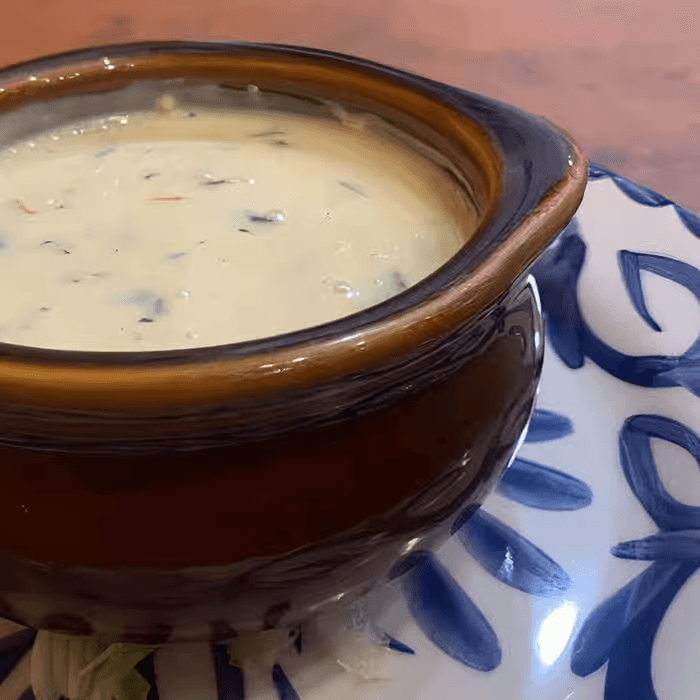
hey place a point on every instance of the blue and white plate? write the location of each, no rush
(577, 579)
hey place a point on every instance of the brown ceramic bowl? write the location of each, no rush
(184, 494)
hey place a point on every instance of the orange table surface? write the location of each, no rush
(622, 75)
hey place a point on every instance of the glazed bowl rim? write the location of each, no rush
(425, 312)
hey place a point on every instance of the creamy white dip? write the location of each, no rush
(173, 229)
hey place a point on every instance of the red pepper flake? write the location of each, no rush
(175, 198)
(24, 207)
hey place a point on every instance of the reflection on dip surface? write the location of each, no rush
(171, 229)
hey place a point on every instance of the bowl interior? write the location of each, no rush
(52, 92)
(519, 181)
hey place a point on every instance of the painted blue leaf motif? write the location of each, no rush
(396, 645)
(285, 690)
(675, 270)
(629, 674)
(640, 194)
(642, 476)
(510, 557)
(446, 615)
(537, 486)
(462, 518)
(630, 269)
(689, 218)
(557, 276)
(687, 375)
(608, 622)
(678, 545)
(229, 679)
(597, 172)
(621, 631)
(547, 425)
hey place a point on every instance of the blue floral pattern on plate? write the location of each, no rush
(621, 631)
(441, 608)
(482, 632)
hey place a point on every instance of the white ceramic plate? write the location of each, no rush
(577, 580)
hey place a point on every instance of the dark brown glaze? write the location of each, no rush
(311, 516)
(162, 495)
(310, 465)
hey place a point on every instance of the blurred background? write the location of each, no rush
(621, 75)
